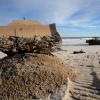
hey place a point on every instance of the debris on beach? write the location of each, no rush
(77, 52)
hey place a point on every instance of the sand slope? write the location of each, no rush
(33, 76)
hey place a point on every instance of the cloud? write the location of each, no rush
(50, 11)
(88, 16)
(69, 13)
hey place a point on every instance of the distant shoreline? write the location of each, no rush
(79, 41)
(79, 37)
(74, 45)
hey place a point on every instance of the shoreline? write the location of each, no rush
(75, 45)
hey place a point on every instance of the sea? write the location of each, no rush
(75, 41)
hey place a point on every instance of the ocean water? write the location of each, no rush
(81, 41)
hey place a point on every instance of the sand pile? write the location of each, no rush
(30, 71)
(32, 76)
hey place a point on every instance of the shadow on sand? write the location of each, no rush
(96, 82)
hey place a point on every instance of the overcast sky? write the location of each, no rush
(73, 17)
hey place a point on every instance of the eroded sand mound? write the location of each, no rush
(31, 76)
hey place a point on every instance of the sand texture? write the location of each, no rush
(87, 68)
(33, 76)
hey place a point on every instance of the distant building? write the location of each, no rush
(27, 28)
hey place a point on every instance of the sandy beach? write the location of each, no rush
(87, 68)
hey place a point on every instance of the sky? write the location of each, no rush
(72, 17)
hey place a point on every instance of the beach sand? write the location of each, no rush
(87, 68)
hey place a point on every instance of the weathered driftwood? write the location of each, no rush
(12, 44)
(77, 52)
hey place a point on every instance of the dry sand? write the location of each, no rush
(87, 68)
(34, 76)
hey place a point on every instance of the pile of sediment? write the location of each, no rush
(12, 45)
(32, 75)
